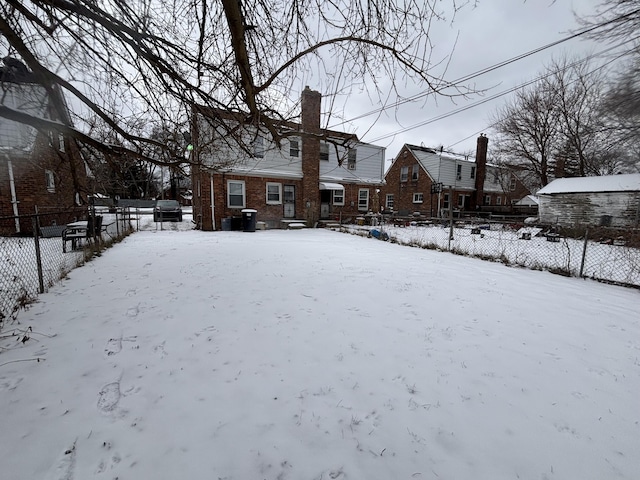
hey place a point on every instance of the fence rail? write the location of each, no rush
(601, 253)
(34, 260)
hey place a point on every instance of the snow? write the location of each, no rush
(606, 183)
(312, 354)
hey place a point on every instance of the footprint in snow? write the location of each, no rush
(65, 465)
(108, 397)
(114, 345)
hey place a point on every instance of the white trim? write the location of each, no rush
(274, 202)
(366, 206)
(331, 186)
(244, 194)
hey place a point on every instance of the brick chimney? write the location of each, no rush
(481, 171)
(311, 155)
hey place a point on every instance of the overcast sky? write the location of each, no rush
(494, 31)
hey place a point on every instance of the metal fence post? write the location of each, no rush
(35, 221)
(584, 252)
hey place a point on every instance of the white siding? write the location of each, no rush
(443, 169)
(369, 165)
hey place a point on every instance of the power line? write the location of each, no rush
(491, 68)
(495, 96)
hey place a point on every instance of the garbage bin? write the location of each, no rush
(226, 224)
(249, 219)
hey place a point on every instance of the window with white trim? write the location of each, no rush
(445, 201)
(50, 181)
(61, 142)
(338, 197)
(235, 194)
(351, 158)
(258, 147)
(487, 199)
(473, 173)
(460, 201)
(324, 151)
(274, 193)
(389, 201)
(404, 174)
(418, 198)
(498, 200)
(363, 199)
(459, 172)
(294, 148)
(414, 172)
(512, 185)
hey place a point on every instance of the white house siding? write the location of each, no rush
(444, 169)
(621, 209)
(369, 165)
(274, 162)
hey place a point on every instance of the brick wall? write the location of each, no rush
(311, 154)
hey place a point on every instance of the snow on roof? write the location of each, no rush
(531, 200)
(606, 183)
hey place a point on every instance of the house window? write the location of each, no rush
(389, 201)
(351, 159)
(294, 148)
(418, 198)
(235, 194)
(61, 142)
(404, 174)
(338, 197)
(414, 173)
(498, 200)
(274, 193)
(487, 199)
(459, 172)
(460, 201)
(258, 147)
(445, 201)
(50, 181)
(473, 172)
(363, 199)
(512, 185)
(324, 152)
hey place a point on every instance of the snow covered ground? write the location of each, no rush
(313, 354)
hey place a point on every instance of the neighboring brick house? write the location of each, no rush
(313, 175)
(42, 170)
(425, 181)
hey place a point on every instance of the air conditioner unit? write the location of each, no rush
(351, 166)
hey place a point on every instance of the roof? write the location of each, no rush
(606, 183)
(529, 200)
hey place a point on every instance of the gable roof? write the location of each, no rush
(605, 183)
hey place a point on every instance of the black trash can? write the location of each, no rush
(249, 219)
(226, 224)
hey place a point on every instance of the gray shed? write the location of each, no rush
(610, 200)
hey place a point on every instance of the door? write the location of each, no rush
(289, 201)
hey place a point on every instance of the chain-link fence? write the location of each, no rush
(605, 254)
(37, 250)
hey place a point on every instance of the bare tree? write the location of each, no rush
(556, 127)
(130, 64)
(613, 20)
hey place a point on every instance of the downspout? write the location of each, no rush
(213, 206)
(14, 200)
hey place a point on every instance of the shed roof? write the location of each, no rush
(606, 183)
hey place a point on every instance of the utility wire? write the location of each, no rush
(489, 69)
(497, 95)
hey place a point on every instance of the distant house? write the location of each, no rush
(310, 176)
(610, 200)
(40, 169)
(429, 181)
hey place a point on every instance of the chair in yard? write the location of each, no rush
(74, 232)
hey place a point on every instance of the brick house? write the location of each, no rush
(313, 175)
(37, 168)
(426, 180)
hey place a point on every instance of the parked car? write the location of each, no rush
(167, 210)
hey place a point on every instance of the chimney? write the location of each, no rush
(481, 171)
(311, 155)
